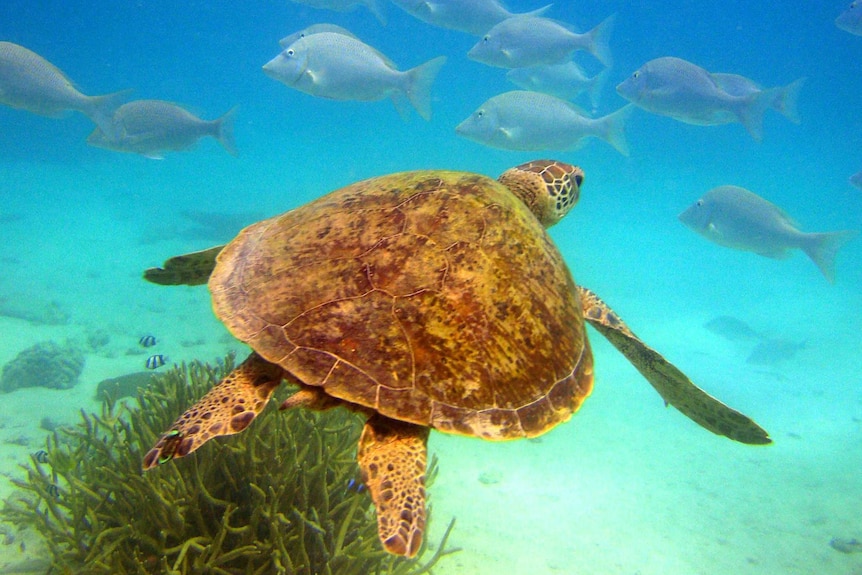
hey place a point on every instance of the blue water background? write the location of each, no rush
(78, 203)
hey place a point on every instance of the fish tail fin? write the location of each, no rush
(753, 108)
(419, 81)
(599, 45)
(401, 106)
(823, 247)
(376, 9)
(597, 86)
(612, 128)
(100, 109)
(786, 98)
(224, 131)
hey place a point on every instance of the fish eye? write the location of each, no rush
(699, 203)
(480, 113)
(289, 52)
(636, 74)
(486, 38)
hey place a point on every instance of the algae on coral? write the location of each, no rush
(45, 364)
(278, 499)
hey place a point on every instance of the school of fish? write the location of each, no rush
(537, 54)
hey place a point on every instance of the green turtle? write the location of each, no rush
(425, 300)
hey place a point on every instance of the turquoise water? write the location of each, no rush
(627, 487)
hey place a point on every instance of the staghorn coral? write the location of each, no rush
(46, 364)
(277, 499)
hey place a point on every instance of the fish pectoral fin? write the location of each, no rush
(510, 133)
(316, 78)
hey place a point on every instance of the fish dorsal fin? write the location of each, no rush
(786, 219)
(538, 11)
(577, 109)
(433, 7)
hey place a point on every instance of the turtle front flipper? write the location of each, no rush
(672, 384)
(392, 457)
(187, 269)
(227, 408)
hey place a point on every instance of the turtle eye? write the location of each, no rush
(579, 180)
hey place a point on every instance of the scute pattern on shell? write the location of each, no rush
(435, 298)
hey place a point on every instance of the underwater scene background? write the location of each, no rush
(627, 486)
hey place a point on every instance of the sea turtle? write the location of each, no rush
(426, 299)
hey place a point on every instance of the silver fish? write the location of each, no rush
(339, 67)
(731, 328)
(524, 120)
(784, 98)
(29, 82)
(567, 80)
(472, 16)
(688, 93)
(851, 19)
(156, 361)
(314, 29)
(737, 218)
(373, 6)
(150, 127)
(533, 41)
(774, 351)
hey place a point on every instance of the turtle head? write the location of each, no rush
(548, 187)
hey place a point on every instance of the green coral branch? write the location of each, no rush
(274, 500)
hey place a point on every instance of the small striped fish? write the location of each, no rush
(156, 361)
(147, 341)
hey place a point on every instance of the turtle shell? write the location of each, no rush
(431, 297)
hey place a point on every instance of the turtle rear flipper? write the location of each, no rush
(392, 456)
(672, 384)
(227, 408)
(187, 269)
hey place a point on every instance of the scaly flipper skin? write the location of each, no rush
(187, 269)
(392, 457)
(673, 385)
(227, 408)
